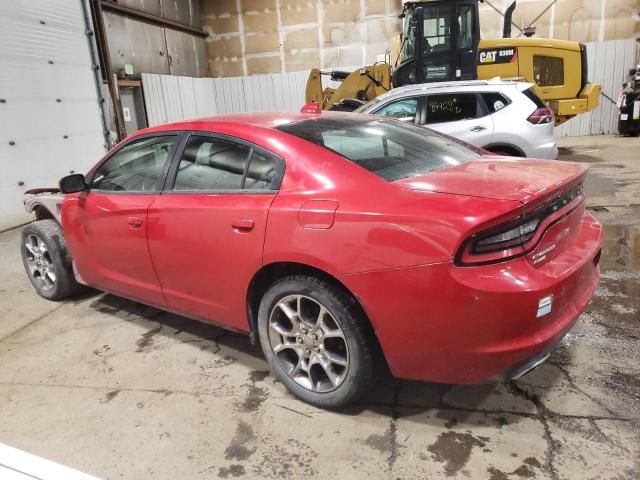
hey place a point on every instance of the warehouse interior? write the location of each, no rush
(103, 387)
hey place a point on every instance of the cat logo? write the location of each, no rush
(497, 56)
(488, 56)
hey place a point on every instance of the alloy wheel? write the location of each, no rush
(308, 343)
(40, 263)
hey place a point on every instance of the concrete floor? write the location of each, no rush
(120, 390)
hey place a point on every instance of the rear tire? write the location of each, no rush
(505, 153)
(47, 261)
(316, 341)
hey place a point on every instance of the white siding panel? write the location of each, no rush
(187, 98)
(170, 98)
(154, 99)
(204, 97)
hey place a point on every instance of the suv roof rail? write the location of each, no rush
(429, 86)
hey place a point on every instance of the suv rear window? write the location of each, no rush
(388, 148)
(495, 101)
(531, 95)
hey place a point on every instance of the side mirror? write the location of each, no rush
(73, 183)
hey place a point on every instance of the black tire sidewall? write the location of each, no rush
(50, 233)
(360, 369)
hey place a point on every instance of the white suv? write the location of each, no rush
(502, 116)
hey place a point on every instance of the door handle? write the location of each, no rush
(477, 128)
(134, 222)
(242, 224)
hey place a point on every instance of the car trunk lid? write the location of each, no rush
(502, 178)
(549, 194)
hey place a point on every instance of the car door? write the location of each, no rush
(461, 115)
(106, 226)
(206, 230)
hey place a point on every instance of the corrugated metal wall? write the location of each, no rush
(49, 111)
(170, 98)
(609, 63)
(166, 101)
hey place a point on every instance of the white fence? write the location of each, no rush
(170, 98)
(609, 62)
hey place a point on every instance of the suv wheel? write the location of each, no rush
(315, 341)
(46, 260)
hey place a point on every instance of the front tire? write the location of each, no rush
(316, 341)
(46, 260)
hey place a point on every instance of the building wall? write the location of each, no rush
(151, 48)
(577, 20)
(248, 37)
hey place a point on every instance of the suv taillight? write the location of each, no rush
(541, 115)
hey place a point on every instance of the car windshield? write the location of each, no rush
(390, 149)
(367, 106)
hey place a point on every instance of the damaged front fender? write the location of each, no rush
(44, 203)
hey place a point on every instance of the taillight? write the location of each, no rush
(514, 237)
(518, 236)
(541, 116)
(499, 243)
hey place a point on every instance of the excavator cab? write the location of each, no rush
(442, 36)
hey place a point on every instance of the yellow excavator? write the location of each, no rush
(440, 41)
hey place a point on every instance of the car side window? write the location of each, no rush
(261, 172)
(136, 167)
(495, 101)
(211, 164)
(451, 107)
(404, 109)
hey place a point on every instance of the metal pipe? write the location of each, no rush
(144, 16)
(97, 75)
(506, 29)
(418, 18)
(109, 76)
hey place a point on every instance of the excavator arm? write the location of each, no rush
(355, 88)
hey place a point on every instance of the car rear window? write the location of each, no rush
(495, 101)
(531, 95)
(388, 148)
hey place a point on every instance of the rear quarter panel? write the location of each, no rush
(377, 224)
(510, 125)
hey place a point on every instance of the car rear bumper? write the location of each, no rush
(465, 325)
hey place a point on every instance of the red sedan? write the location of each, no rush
(331, 237)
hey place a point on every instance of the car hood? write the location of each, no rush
(503, 178)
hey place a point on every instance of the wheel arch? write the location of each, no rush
(45, 206)
(507, 147)
(40, 212)
(272, 272)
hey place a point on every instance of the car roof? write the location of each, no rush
(261, 119)
(459, 85)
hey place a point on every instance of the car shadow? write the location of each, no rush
(388, 396)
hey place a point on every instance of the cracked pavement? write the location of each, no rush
(121, 390)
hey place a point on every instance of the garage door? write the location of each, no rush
(50, 120)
